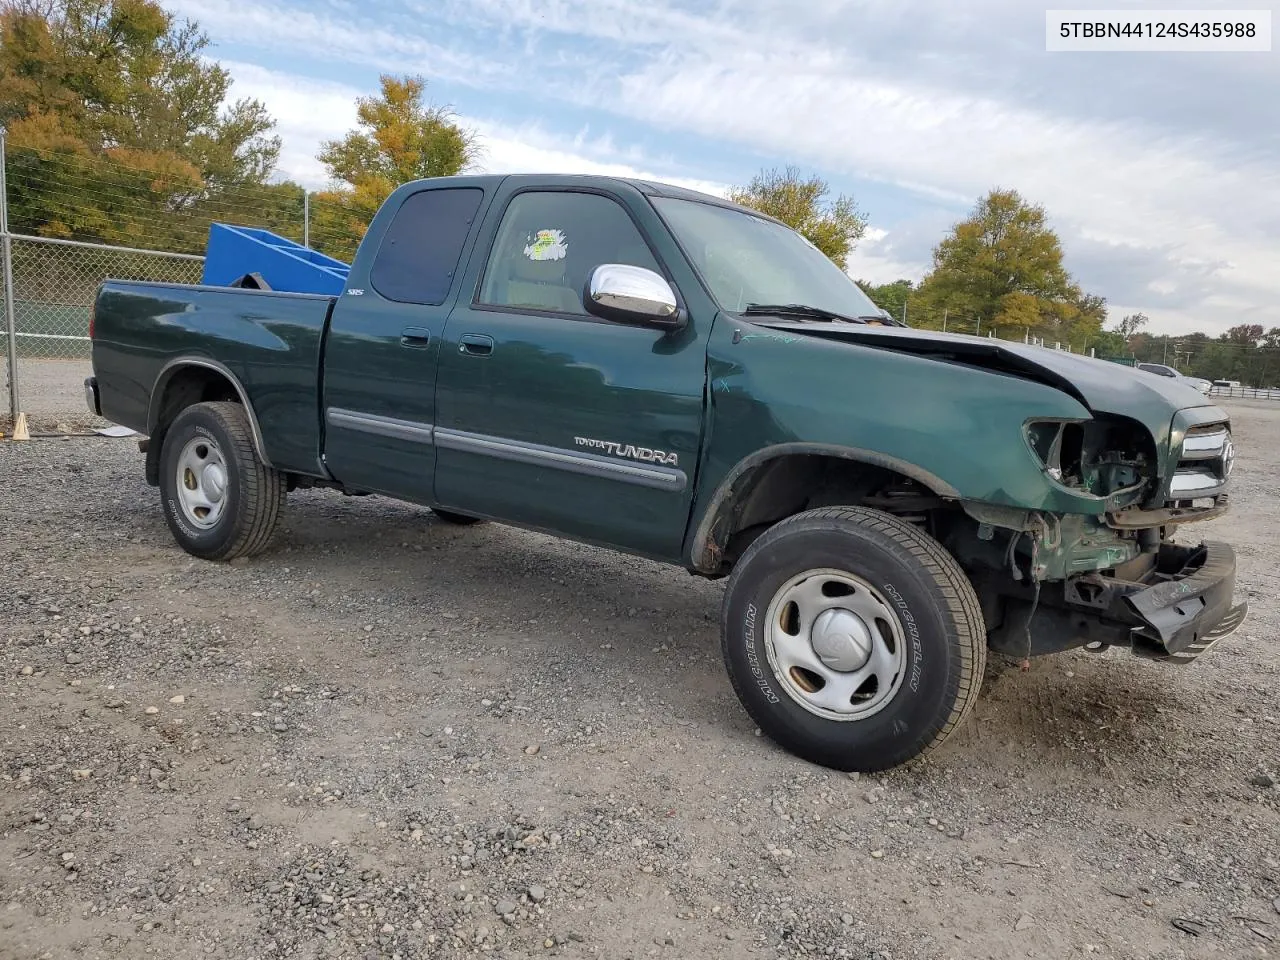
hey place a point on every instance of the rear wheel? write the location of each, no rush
(853, 638)
(220, 500)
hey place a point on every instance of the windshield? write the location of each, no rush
(746, 259)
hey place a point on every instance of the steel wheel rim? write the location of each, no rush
(835, 644)
(202, 482)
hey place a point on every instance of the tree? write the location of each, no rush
(1001, 270)
(116, 122)
(892, 297)
(399, 138)
(834, 227)
(1131, 324)
(1244, 335)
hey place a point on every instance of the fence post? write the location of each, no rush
(306, 217)
(11, 321)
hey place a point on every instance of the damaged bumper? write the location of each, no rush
(1179, 610)
(1183, 616)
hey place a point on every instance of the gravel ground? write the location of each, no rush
(395, 738)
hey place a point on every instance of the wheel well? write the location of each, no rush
(185, 387)
(780, 487)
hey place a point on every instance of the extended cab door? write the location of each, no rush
(554, 419)
(384, 339)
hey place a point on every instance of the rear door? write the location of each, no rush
(549, 417)
(384, 342)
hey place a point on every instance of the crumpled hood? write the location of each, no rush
(1102, 386)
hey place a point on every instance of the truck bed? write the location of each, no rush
(268, 343)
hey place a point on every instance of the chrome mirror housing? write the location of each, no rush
(629, 294)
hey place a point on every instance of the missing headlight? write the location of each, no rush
(1103, 456)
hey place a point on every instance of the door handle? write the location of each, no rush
(415, 337)
(475, 344)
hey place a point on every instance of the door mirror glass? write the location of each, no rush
(628, 294)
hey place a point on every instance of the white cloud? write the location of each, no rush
(310, 111)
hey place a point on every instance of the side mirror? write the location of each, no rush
(635, 295)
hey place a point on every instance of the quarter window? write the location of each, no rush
(548, 244)
(419, 253)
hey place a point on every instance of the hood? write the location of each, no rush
(1102, 386)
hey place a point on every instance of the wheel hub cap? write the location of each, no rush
(215, 482)
(841, 640)
(835, 644)
(202, 482)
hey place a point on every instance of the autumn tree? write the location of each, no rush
(1001, 269)
(833, 226)
(117, 124)
(399, 138)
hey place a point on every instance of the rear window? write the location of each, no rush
(420, 251)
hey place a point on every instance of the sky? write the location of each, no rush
(1159, 171)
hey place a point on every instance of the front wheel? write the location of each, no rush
(853, 638)
(220, 500)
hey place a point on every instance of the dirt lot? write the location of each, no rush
(396, 738)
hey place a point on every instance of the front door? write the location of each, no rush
(383, 345)
(551, 418)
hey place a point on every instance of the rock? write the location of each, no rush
(877, 854)
(279, 726)
(1263, 780)
(74, 657)
(537, 894)
(178, 699)
(531, 749)
(505, 907)
(151, 711)
(26, 671)
(1024, 923)
(388, 928)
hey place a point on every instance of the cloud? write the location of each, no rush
(309, 111)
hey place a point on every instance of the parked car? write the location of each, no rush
(1163, 370)
(658, 371)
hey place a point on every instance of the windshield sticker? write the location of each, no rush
(547, 245)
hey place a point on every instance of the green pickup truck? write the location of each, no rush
(646, 368)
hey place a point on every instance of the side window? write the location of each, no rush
(547, 245)
(419, 253)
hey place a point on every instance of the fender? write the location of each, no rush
(705, 551)
(174, 366)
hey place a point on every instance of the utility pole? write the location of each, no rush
(944, 319)
(306, 217)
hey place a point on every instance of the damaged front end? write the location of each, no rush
(1113, 576)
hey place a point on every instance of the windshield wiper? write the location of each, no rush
(806, 312)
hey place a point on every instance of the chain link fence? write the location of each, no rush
(54, 283)
(53, 287)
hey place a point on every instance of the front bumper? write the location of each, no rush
(1178, 611)
(1191, 608)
